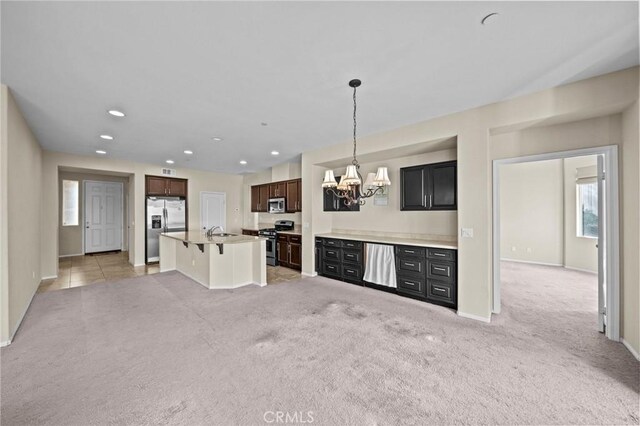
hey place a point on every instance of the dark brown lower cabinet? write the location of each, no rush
(289, 251)
(251, 232)
(423, 273)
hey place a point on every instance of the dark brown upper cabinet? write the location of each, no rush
(167, 187)
(294, 195)
(291, 190)
(429, 187)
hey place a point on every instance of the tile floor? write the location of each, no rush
(279, 274)
(91, 269)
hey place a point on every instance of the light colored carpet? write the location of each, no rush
(161, 349)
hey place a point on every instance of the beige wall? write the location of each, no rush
(23, 210)
(198, 181)
(580, 252)
(71, 237)
(4, 211)
(475, 131)
(538, 214)
(531, 212)
(630, 226)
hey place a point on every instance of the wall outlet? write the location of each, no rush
(305, 225)
(513, 248)
(193, 263)
(33, 274)
(466, 232)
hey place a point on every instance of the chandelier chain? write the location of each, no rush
(354, 162)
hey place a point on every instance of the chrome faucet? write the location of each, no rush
(213, 228)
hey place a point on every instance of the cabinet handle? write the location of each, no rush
(439, 254)
(409, 283)
(409, 251)
(169, 191)
(439, 269)
(430, 201)
(442, 290)
(409, 264)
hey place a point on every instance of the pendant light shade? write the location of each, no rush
(329, 180)
(369, 182)
(382, 177)
(351, 177)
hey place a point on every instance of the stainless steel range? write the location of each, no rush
(271, 234)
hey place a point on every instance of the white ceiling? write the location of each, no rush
(185, 72)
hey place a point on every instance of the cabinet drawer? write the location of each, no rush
(352, 244)
(441, 254)
(443, 271)
(330, 268)
(352, 256)
(329, 253)
(332, 243)
(295, 239)
(441, 292)
(410, 251)
(350, 272)
(415, 266)
(411, 285)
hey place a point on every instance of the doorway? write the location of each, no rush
(595, 223)
(103, 216)
(213, 210)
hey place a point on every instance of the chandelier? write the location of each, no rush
(350, 189)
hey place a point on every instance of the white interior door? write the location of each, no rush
(103, 216)
(213, 209)
(602, 248)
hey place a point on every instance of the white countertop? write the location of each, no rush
(452, 245)
(197, 237)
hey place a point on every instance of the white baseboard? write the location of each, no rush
(70, 255)
(474, 317)
(306, 274)
(5, 343)
(530, 262)
(52, 277)
(139, 264)
(581, 270)
(630, 348)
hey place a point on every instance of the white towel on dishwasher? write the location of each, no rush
(381, 266)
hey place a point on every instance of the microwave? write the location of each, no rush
(277, 205)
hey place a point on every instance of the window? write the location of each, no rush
(587, 209)
(70, 201)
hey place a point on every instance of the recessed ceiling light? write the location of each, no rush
(101, 152)
(275, 153)
(188, 152)
(116, 113)
(217, 138)
(107, 137)
(243, 162)
(264, 124)
(170, 161)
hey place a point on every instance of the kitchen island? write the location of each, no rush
(216, 262)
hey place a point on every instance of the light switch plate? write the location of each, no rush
(466, 232)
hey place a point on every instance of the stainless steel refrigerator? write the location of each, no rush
(164, 214)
